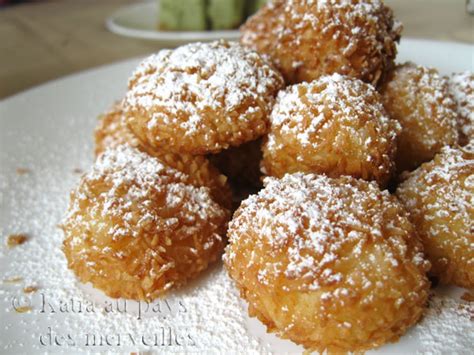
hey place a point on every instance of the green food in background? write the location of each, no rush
(182, 15)
(225, 14)
(201, 15)
(252, 6)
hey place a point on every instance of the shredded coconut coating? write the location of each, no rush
(136, 227)
(461, 86)
(201, 97)
(330, 263)
(439, 196)
(335, 125)
(112, 132)
(309, 38)
(418, 97)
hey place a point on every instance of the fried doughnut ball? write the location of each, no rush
(461, 86)
(330, 263)
(136, 227)
(418, 97)
(335, 125)
(112, 132)
(439, 196)
(201, 97)
(308, 39)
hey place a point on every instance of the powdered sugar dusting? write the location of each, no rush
(440, 198)
(448, 326)
(126, 168)
(441, 178)
(462, 88)
(423, 102)
(309, 38)
(335, 125)
(315, 218)
(333, 95)
(352, 13)
(218, 76)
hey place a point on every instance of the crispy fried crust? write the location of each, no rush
(112, 132)
(136, 228)
(439, 196)
(461, 86)
(307, 39)
(201, 97)
(418, 97)
(335, 125)
(332, 264)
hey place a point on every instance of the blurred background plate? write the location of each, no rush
(141, 21)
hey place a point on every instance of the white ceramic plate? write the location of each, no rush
(140, 21)
(48, 130)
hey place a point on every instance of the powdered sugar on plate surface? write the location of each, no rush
(447, 326)
(48, 131)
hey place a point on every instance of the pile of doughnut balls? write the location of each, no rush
(352, 176)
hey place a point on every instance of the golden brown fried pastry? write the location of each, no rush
(136, 227)
(112, 132)
(335, 125)
(331, 264)
(461, 86)
(439, 196)
(307, 39)
(418, 97)
(201, 97)
(241, 164)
